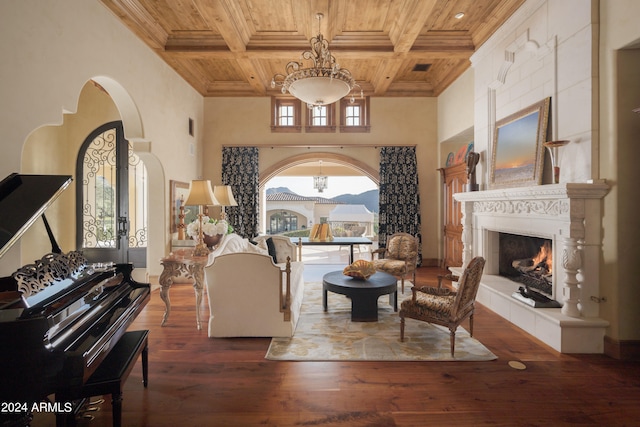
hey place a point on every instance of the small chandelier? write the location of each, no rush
(322, 84)
(320, 181)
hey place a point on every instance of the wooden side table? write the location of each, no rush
(181, 264)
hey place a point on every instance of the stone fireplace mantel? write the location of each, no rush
(569, 214)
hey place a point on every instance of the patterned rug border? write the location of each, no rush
(331, 336)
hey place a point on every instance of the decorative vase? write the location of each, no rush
(553, 146)
(212, 241)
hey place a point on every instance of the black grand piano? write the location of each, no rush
(60, 316)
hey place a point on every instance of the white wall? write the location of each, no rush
(553, 49)
(455, 107)
(619, 90)
(50, 49)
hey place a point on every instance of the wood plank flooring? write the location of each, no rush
(198, 381)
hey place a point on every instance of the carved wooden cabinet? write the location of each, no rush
(454, 179)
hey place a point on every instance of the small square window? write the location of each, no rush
(354, 115)
(286, 115)
(321, 118)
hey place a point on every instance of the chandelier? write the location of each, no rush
(320, 181)
(322, 84)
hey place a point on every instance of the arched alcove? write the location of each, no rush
(52, 149)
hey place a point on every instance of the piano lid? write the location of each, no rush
(22, 199)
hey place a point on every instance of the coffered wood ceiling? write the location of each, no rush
(234, 47)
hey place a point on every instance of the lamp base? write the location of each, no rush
(201, 250)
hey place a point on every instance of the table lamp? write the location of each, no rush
(224, 196)
(200, 194)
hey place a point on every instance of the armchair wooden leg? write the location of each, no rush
(403, 285)
(471, 325)
(402, 329)
(453, 341)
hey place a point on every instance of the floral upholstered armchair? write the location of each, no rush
(443, 306)
(399, 258)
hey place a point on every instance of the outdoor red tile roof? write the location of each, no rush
(290, 197)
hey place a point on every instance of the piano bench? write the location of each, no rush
(114, 370)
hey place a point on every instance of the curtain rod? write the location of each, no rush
(317, 146)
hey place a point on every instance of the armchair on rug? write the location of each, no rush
(443, 306)
(400, 257)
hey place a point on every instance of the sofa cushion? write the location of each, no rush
(271, 247)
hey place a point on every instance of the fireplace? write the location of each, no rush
(564, 218)
(527, 260)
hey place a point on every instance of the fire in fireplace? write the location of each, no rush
(527, 260)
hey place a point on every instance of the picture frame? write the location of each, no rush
(517, 155)
(179, 193)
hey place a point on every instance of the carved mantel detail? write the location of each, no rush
(540, 207)
(570, 214)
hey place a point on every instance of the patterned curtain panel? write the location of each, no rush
(399, 197)
(240, 171)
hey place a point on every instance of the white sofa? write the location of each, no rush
(250, 295)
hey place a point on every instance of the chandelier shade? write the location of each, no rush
(319, 90)
(322, 84)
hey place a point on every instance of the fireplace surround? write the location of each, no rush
(569, 215)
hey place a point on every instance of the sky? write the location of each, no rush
(338, 185)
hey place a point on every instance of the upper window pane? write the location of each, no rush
(286, 115)
(353, 115)
(319, 115)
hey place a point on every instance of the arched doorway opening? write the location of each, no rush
(52, 149)
(294, 213)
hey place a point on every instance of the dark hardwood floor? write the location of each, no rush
(198, 381)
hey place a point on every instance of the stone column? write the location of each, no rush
(572, 262)
(467, 232)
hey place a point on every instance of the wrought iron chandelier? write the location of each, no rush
(322, 84)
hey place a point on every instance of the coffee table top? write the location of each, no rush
(377, 280)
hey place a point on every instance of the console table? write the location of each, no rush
(337, 241)
(182, 264)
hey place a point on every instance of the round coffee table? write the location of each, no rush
(363, 293)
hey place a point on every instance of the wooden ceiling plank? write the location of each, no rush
(254, 75)
(232, 47)
(226, 16)
(140, 21)
(385, 75)
(404, 33)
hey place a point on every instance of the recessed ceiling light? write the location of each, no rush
(459, 15)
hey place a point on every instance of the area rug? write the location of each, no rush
(322, 336)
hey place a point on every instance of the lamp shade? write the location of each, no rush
(200, 193)
(224, 195)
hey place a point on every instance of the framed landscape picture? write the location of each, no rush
(517, 151)
(179, 193)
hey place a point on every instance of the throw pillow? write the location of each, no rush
(272, 250)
